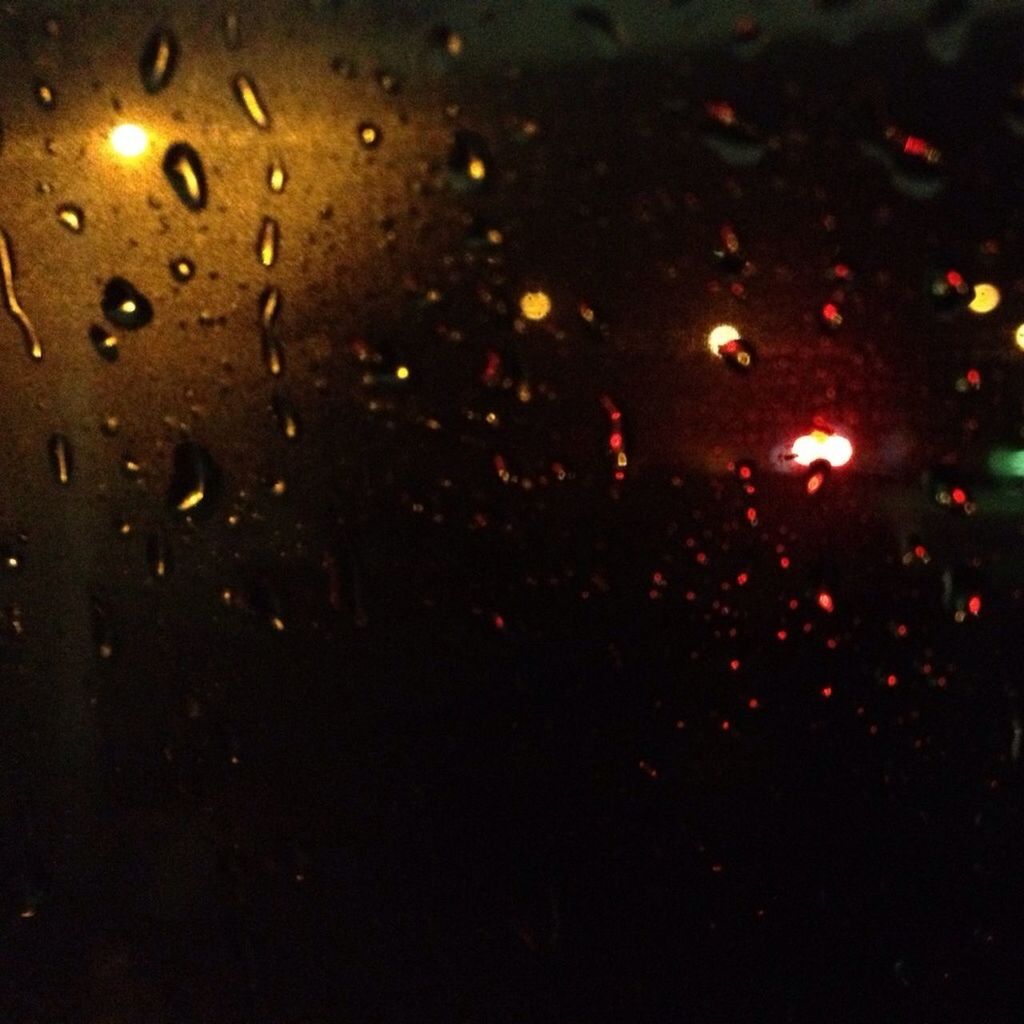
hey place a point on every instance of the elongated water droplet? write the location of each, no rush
(270, 306)
(273, 355)
(249, 98)
(123, 304)
(104, 343)
(232, 36)
(185, 172)
(469, 162)
(159, 556)
(32, 344)
(72, 217)
(182, 269)
(287, 418)
(61, 458)
(267, 241)
(159, 60)
(277, 177)
(195, 482)
(45, 96)
(369, 135)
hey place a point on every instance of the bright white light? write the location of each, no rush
(835, 449)
(721, 335)
(129, 140)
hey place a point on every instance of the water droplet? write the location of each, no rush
(277, 177)
(273, 355)
(195, 482)
(110, 426)
(601, 21)
(185, 172)
(102, 630)
(159, 60)
(950, 291)
(737, 353)
(182, 269)
(270, 306)
(159, 556)
(389, 82)
(104, 343)
(45, 96)
(287, 418)
(817, 476)
(447, 39)
(28, 332)
(232, 35)
(737, 142)
(123, 304)
(469, 161)
(249, 98)
(72, 217)
(61, 458)
(369, 135)
(12, 558)
(267, 241)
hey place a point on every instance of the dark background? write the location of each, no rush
(431, 717)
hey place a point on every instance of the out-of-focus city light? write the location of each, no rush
(1006, 462)
(535, 305)
(721, 335)
(129, 140)
(834, 449)
(1019, 336)
(986, 298)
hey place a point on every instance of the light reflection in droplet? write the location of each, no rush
(535, 305)
(721, 335)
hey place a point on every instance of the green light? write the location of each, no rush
(1006, 462)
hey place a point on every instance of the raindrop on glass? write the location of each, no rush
(277, 177)
(45, 96)
(369, 135)
(270, 306)
(267, 242)
(123, 304)
(232, 36)
(159, 60)
(72, 217)
(195, 480)
(185, 172)
(62, 462)
(287, 418)
(738, 354)
(469, 161)
(104, 342)
(250, 100)
(182, 269)
(159, 557)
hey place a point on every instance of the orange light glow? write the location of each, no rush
(129, 140)
(834, 449)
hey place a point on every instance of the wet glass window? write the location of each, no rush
(511, 511)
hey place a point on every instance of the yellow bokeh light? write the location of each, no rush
(986, 298)
(535, 305)
(402, 373)
(1019, 336)
(721, 335)
(477, 169)
(129, 140)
